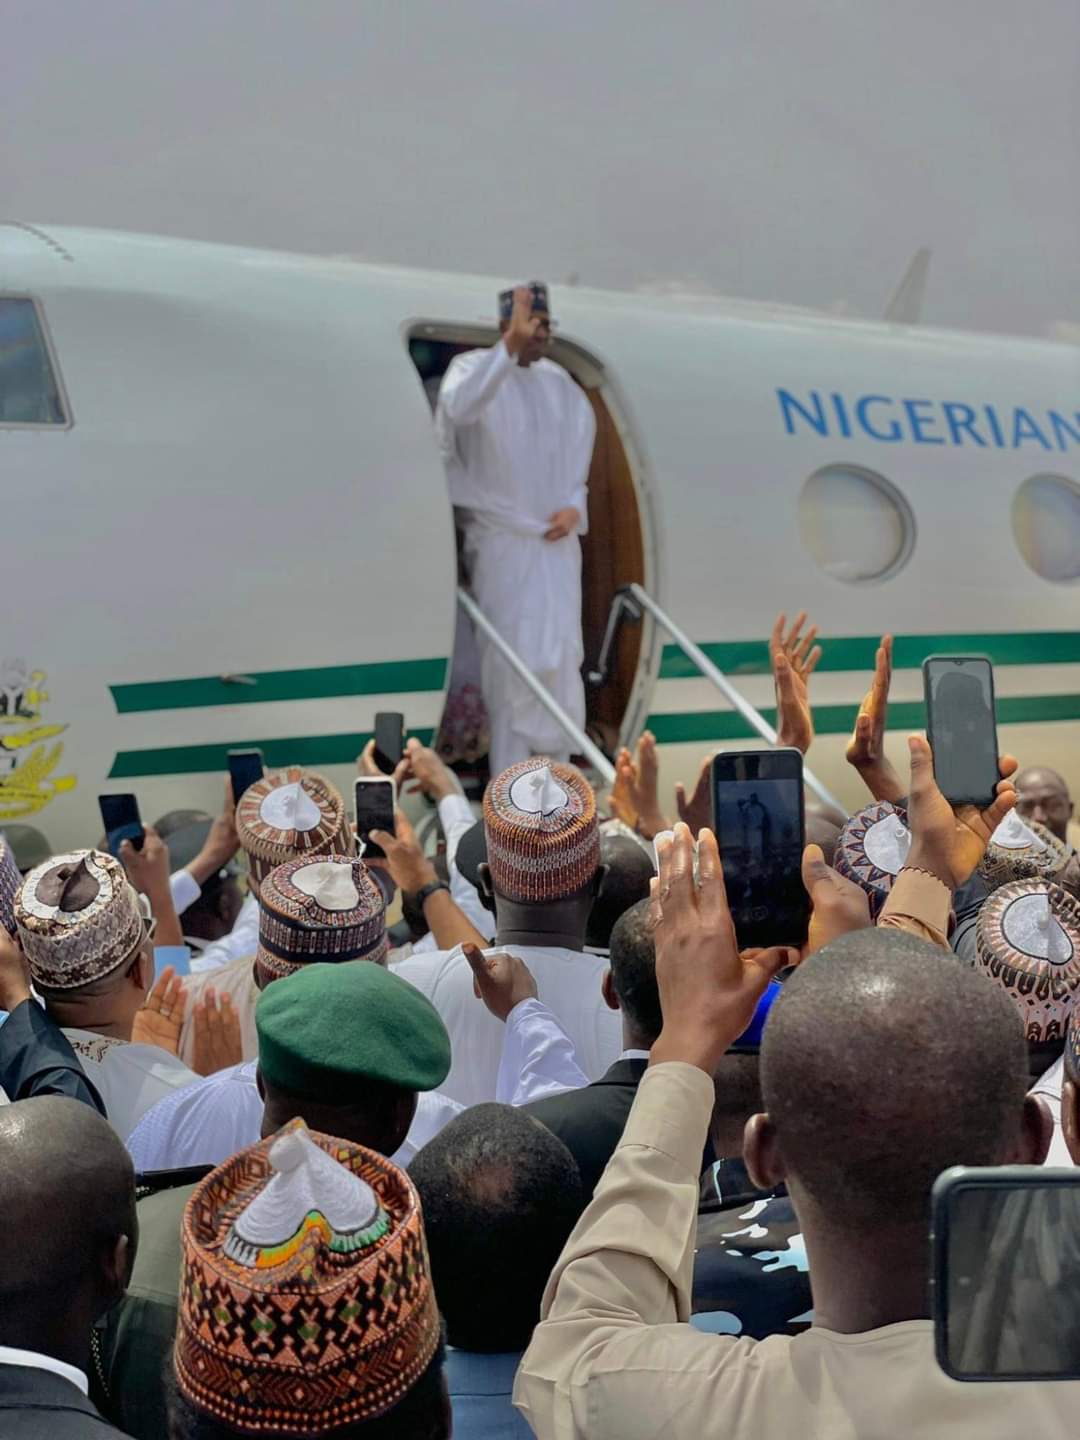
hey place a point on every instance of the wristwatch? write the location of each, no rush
(424, 894)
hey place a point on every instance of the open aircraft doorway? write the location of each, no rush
(619, 547)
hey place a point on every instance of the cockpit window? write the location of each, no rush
(30, 391)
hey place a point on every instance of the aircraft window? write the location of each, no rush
(1046, 526)
(855, 524)
(29, 390)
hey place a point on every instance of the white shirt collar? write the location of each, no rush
(32, 1360)
(634, 1055)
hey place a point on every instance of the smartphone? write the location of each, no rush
(1005, 1272)
(245, 768)
(120, 816)
(961, 728)
(389, 740)
(760, 825)
(375, 801)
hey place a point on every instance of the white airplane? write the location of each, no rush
(225, 520)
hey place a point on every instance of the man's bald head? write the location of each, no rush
(885, 1061)
(67, 1195)
(1042, 795)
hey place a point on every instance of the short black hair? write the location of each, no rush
(886, 1060)
(626, 881)
(500, 1194)
(633, 971)
(421, 1413)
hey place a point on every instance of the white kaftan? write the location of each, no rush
(517, 442)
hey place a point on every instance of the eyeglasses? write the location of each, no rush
(149, 919)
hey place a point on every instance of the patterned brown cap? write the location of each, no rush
(873, 848)
(318, 910)
(543, 842)
(306, 1301)
(1023, 850)
(78, 919)
(1028, 939)
(291, 815)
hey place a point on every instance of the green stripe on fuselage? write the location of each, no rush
(198, 759)
(383, 677)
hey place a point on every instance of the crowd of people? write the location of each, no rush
(549, 1155)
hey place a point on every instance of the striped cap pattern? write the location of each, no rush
(289, 815)
(326, 910)
(540, 823)
(1022, 850)
(872, 848)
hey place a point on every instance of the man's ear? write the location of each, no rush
(1070, 1119)
(1036, 1132)
(118, 1262)
(141, 973)
(607, 989)
(598, 879)
(483, 874)
(761, 1154)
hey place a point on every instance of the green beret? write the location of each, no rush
(353, 1019)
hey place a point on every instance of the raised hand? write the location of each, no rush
(697, 810)
(410, 869)
(839, 905)
(708, 991)
(524, 324)
(950, 842)
(866, 749)
(794, 658)
(634, 796)
(215, 1034)
(427, 770)
(162, 1015)
(501, 981)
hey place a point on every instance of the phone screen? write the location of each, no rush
(961, 728)
(120, 816)
(374, 811)
(245, 768)
(1007, 1274)
(389, 740)
(760, 827)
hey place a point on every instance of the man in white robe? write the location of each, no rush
(517, 434)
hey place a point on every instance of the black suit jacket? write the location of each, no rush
(590, 1121)
(36, 1059)
(39, 1405)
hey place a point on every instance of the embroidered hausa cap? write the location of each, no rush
(321, 909)
(1023, 850)
(10, 880)
(306, 1301)
(78, 918)
(1028, 939)
(543, 842)
(289, 815)
(540, 302)
(1072, 1047)
(873, 848)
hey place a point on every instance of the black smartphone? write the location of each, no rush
(375, 801)
(389, 740)
(961, 727)
(120, 816)
(1006, 1272)
(760, 824)
(245, 768)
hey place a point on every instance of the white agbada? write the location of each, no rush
(517, 442)
(130, 1078)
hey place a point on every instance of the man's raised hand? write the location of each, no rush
(950, 841)
(634, 796)
(794, 658)
(708, 991)
(501, 981)
(161, 1017)
(866, 749)
(524, 324)
(696, 810)
(839, 905)
(215, 1034)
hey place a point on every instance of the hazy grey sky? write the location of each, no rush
(798, 150)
